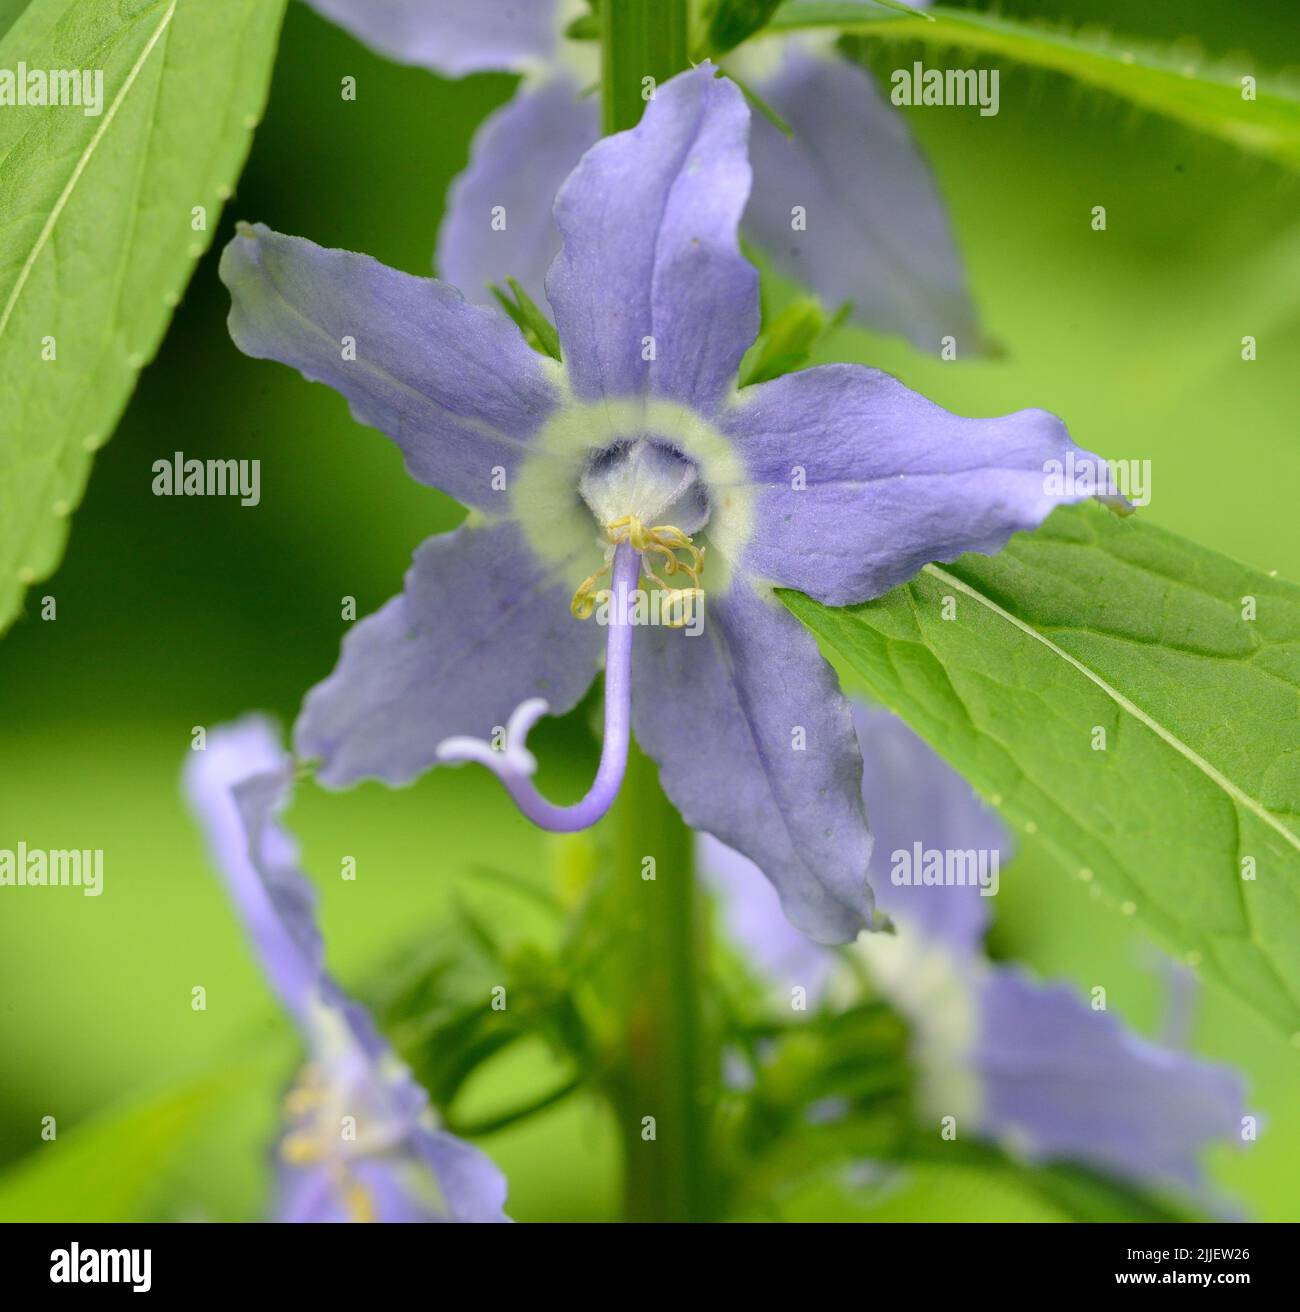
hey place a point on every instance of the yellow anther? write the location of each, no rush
(676, 540)
(300, 1101)
(300, 1150)
(679, 605)
(310, 1143)
(356, 1197)
(663, 541)
(584, 599)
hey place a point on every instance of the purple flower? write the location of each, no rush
(361, 1141)
(1016, 1060)
(844, 203)
(636, 456)
(455, 37)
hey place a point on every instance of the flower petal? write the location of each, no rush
(468, 1177)
(454, 385)
(452, 37)
(875, 231)
(481, 626)
(650, 262)
(401, 1166)
(1027, 1063)
(1061, 1080)
(519, 158)
(755, 745)
(864, 481)
(404, 1168)
(236, 786)
(914, 796)
(397, 1188)
(756, 922)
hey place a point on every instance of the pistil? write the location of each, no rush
(515, 765)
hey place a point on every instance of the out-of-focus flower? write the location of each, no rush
(636, 456)
(1025, 1063)
(842, 199)
(361, 1141)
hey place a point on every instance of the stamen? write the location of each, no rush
(664, 540)
(515, 765)
(584, 599)
(301, 1149)
(356, 1197)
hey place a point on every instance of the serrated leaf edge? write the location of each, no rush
(1218, 777)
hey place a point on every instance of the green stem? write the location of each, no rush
(662, 1080)
(639, 39)
(662, 1071)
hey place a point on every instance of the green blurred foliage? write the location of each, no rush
(178, 612)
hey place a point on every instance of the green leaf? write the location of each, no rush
(786, 344)
(1187, 813)
(97, 236)
(1083, 1195)
(9, 12)
(1203, 96)
(847, 14)
(110, 1169)
(586, 27)
(729, 22)
(756, 102)
(971, 1181)
(539, 332)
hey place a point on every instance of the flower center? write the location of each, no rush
(647, 479)
(315, 1139)
(664, 541)
(629, 485)
(647, 496)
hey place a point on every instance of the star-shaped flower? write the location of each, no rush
(1026, 1063)
(637, 454)
(361, 1141)
(842, 200)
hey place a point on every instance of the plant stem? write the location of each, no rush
(661, 1069)
(639, 39)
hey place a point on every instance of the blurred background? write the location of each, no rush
(178, 612)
